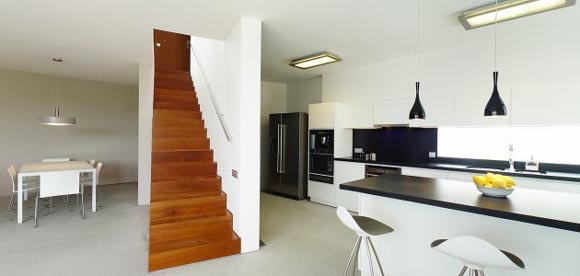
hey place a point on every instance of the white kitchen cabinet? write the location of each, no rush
(346, 172)
(325, 115)
(461, 176)
(438, 111)
(358, 115)
(533, 105)
(321, 192)
(428, 173)
(469, 107)
(547, 184)
(394, 111)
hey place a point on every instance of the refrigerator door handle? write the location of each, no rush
(278, 151)
(283, 158)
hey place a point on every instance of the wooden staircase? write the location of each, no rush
(189, 221)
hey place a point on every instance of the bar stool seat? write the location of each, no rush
(477, 254)
(365, 227)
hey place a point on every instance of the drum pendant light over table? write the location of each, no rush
(495, 106)
(56, 120)
(417, 111)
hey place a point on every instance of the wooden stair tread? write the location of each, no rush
(167, 71)
(184, 253)
(190, 229)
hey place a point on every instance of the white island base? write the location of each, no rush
(545, 251)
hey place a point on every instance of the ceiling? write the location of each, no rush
(105, 40)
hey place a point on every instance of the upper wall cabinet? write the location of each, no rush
(393, 111)
(469, 106)
(544, 106)
(358, 114)
(438, 111)
(325, 115)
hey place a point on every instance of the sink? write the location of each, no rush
(486, 168)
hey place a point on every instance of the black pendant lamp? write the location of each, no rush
(495, 106)
(417, 111)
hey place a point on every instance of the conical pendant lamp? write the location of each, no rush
(417, 111)
(56, 120)
(495, 106)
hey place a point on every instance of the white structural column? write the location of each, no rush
(250, 101)
(407, 251)
(146, 82)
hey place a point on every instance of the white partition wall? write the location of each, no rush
(146, 79)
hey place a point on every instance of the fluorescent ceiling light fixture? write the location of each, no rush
(508, 10)
(315, 60)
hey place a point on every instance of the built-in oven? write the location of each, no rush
(321, 168)
(322, 141)
(372, 171)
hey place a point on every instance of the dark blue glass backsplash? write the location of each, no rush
(397, 144)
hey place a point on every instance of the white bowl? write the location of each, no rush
(494, 192)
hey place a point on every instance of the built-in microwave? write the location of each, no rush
(322, 141)
(322, 168)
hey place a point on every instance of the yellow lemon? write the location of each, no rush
(479, 180)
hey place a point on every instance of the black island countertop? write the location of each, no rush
(551, 209)
(550, 175)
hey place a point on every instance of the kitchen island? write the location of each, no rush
(541, 227)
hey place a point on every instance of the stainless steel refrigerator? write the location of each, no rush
(288, 153)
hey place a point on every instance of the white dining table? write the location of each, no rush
(38, 169)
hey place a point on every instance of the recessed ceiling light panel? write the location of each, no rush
(508, 10)
(315, 60)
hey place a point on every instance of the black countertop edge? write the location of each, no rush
(464, 168)
(569, 226)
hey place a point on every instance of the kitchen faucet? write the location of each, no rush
(511, 158)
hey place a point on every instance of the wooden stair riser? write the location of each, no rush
(185, 170)
(176, 114)
(180, 189)
(174, 84)
(193, 254)
(178, 123)
(169, 76)
(159, 132)
(188, 230)
(173, 72)
(186, 209)
(176, 106)
(180, 144)
(160, 157)
(174, 92)
(175, 99)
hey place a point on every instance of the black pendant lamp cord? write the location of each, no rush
(495, 39)
(418, 36)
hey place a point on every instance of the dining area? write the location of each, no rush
(52, 182)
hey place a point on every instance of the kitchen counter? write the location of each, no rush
(541, 227)
(464, 168)
(551, 209)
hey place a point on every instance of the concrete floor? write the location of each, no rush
(302, 238)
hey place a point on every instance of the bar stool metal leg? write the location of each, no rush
(463, 271)
(352, 255)
(376, 255)
(36, 213)
(370, 257)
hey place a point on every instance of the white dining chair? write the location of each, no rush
(59, 184)
(89, 182)
(50, 160)
(30, 184)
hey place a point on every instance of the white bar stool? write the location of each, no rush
(477, 254)
(365, 227)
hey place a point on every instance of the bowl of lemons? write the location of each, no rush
(495, 185)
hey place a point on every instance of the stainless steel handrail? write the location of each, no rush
(214, 102)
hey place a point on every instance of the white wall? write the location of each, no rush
(273, 101)
(302, 93)
(233, 69)
(537, 58)
(146, 84)
(106, 128)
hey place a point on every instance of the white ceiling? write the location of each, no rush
(105, 40)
